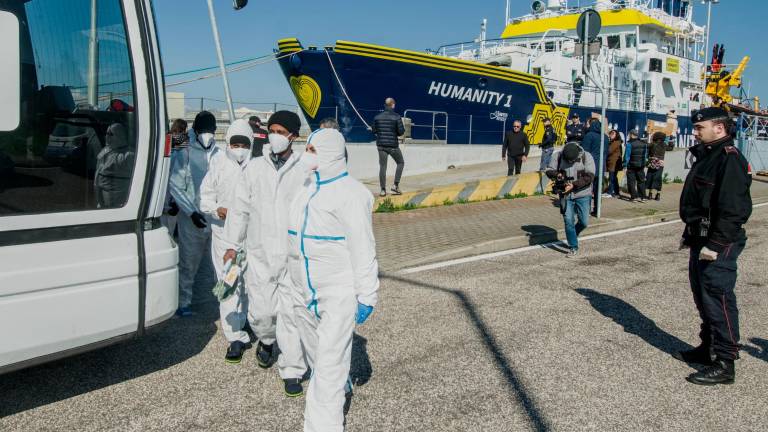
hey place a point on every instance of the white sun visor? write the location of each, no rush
(10, 77)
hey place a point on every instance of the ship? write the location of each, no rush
(648, 58)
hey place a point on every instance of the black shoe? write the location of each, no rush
(396, 190)
(658, 196)
(721, 372)
(264, 356)
(700, 355)
(235, 352)
(293, 387)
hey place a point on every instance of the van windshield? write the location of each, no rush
(75, 147)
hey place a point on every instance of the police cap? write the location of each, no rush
(706, 114)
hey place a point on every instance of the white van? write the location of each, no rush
(84, 159)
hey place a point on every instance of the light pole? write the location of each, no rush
(237, 4)
(706, 42)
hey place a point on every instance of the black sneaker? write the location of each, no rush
(700, 355)
(293, 387)
(396, 190)
(721, 372)
(264, 356)
(235, 352)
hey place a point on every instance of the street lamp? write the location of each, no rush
(706, 43)
(237, 5)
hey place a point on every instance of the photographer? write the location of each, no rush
(573, 171)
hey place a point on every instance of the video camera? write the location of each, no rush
(561, 181)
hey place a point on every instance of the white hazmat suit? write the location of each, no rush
(114, 166)
(218, 191)
(333, 264)
(188, 168)
(258, 221)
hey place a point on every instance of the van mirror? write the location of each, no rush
(10, 76)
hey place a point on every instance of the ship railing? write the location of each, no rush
(624, 100)
(753, 139)
(475, 50)
(439, 129)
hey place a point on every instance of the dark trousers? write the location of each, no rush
(613, 183)
(713, 283)
(636, 182)
(655, 178)
(514, 165)
(397, 155)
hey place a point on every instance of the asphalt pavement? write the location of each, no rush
(527, 341)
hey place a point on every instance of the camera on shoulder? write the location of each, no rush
(561, 181)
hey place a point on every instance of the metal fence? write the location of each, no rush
(753, 140)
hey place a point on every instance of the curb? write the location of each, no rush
(525, 184)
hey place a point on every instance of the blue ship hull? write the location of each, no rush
(456, 101)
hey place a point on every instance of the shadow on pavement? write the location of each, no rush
(516, 387)
(160, 348)
(361, 370)
(633, 321)
(538, 234)
(759, 351)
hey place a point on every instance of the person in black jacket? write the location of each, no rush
(515, 148)
(387, 127)
(591, 145)
(260, 136)
(635, 159)
(575, 130)
(548, 141)
(715, 204)
(655, 175)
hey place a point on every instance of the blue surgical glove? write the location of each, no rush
(363, 312)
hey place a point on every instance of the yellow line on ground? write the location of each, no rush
(528, 183)
(441, 194)
(397, 200)
(488, 189)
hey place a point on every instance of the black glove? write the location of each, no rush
(198, 220)
(173, 209)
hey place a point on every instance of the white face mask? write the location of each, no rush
(206, 140)
(309, 161)
(279, 143)
(238, 155)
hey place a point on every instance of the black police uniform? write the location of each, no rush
(715, 204)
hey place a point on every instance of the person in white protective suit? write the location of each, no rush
(188, 168)
(217, 193)
(114, 166)
(332, 260)
(258, 221)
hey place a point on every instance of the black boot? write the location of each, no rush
(700, 355)
(264, 357)
(721, 372)
(658, 196)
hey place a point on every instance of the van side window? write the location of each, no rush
(75, 146)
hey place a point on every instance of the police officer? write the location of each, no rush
(715, 204)
(575, 130)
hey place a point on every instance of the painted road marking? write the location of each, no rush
(508, 252)
(488, 189)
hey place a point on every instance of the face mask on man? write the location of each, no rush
(238, 154)
(279, 143)
(206, 140)
(309, 161)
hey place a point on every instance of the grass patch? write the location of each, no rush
(447, 202)
(515, 196)
(665, 179)
(386, 206)
(409, 206)
(651, 212)
(462, 201)
(677, 180)
(538, 193)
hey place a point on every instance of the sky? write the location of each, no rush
(186, 40)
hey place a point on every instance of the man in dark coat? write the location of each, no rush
(591, 145)
(515, 148)
(387, 127)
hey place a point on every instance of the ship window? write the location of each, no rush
(630, 41)
(669, 89)
(537, 71)
(549, 46)
(655, 65)
(614, 41)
